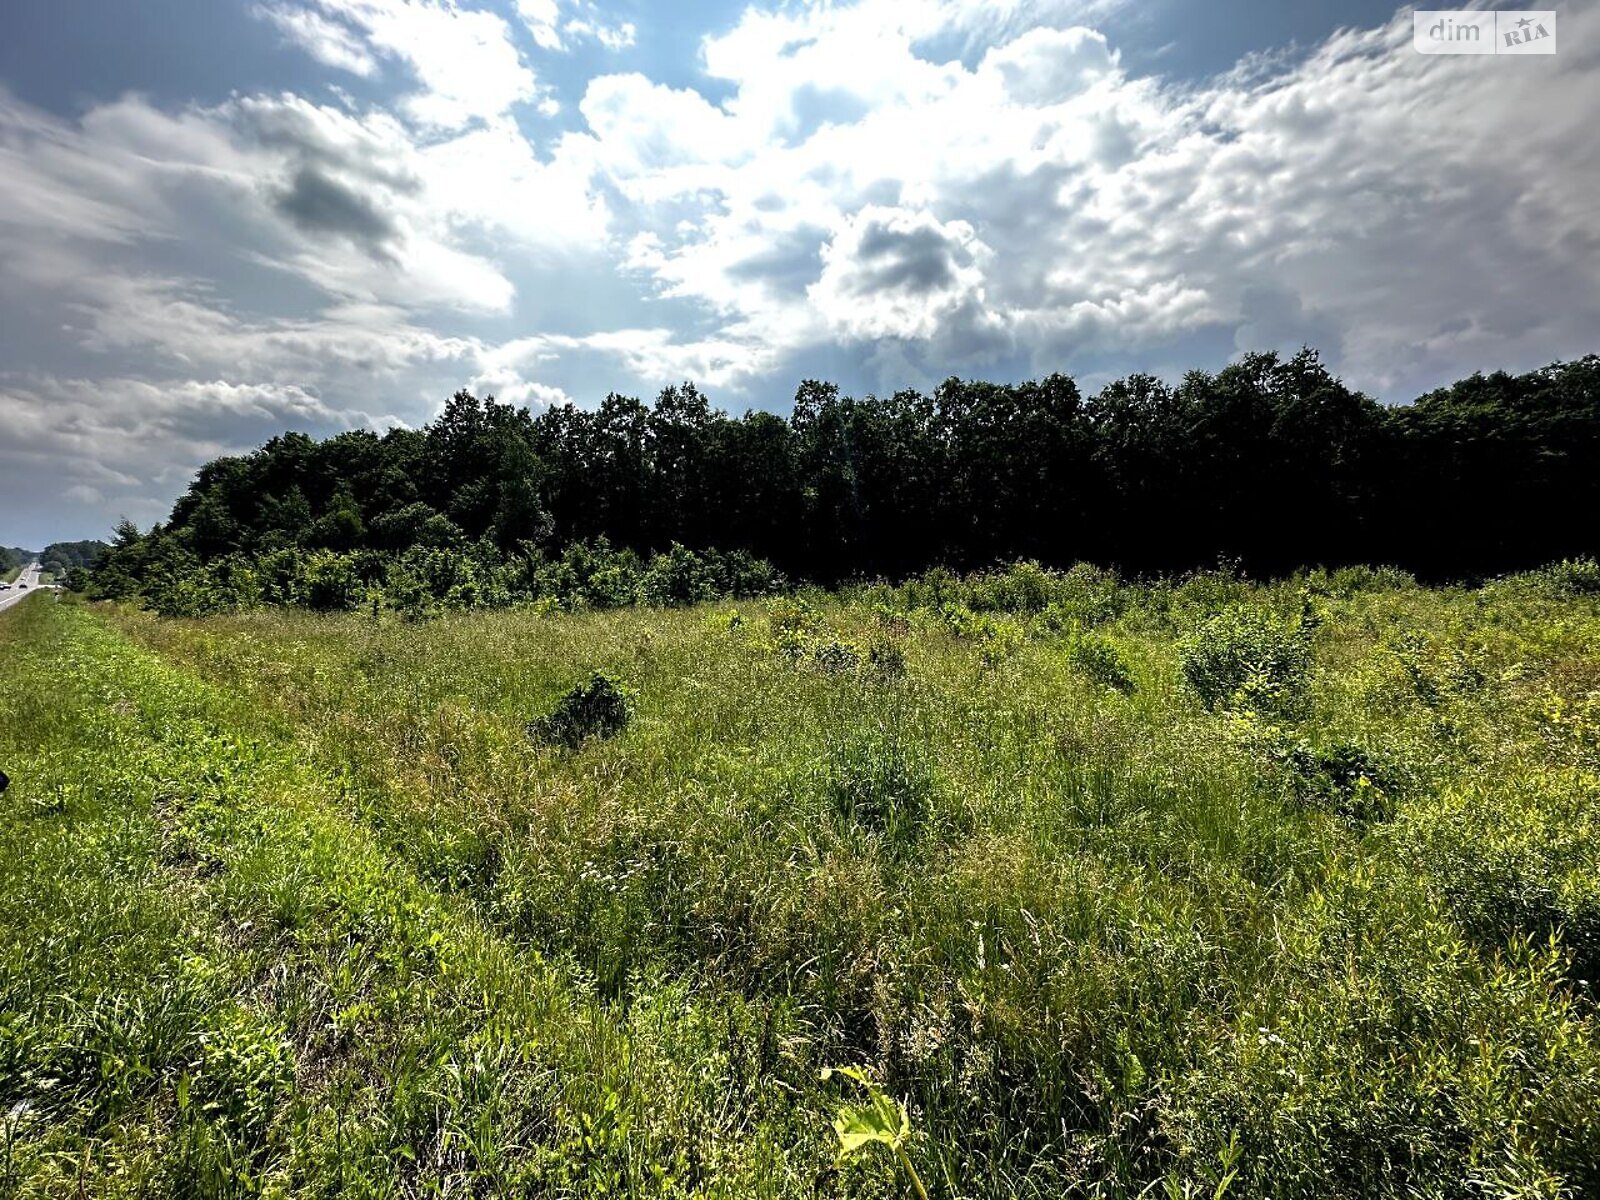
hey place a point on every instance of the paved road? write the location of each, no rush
(29, 576)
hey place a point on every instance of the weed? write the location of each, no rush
(880, 1121)
(835, 657)
(602, 707)
(1343, 778)
(887, 658)
(876, 780)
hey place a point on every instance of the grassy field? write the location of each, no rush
(1195, 889)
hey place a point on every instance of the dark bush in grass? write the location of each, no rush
(836, 658)
(887, 658)
(1344, 778)
(599, 708)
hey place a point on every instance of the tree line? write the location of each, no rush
(58, 558)
(1271, 462)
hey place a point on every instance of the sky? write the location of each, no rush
(221, 219)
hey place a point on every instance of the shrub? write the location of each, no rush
(934, 588)
(1439, 672)
(892, 619)
(1345, 582)
(328, 581)
(1023, 587)
(836, 657)
(794, 624)
(1570, 577)
(1209, 591)
(680, 576)
(740, 574)
(961, 621)
(1245, 655)
(1098, 658)
(601, 707)
(998, 640)
(1091, 594)
(591, 575)
(1344, 778)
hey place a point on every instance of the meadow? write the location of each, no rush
(1195, 887)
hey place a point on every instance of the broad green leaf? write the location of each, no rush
(880, 1119)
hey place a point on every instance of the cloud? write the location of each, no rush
(120, 445)
(1048, 204)
(175, 323)
(319, 203)
(645, 354)
(328, 42)
(641, 128)
(1048, 66)
(464, 60)
(612, 37)
(356, 205)
(544, 22)
(543, 19)
(898, 273)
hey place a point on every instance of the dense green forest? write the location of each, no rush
(1271, 462)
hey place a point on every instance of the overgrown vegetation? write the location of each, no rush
(1191, 887)
(1271, 462)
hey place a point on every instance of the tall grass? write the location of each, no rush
(298, 902)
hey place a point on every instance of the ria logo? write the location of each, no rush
(1527, 31)
(1473, 32)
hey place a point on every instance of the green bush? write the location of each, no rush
(1246, 656)
(1438, 671)
(1345, 582)
(1098, 658)
(602, 707)
(795, 625)
(1091, 594)
(836, 657)
(1570, 577)
(1344, 778)
(680, 576)
(1023, 587)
